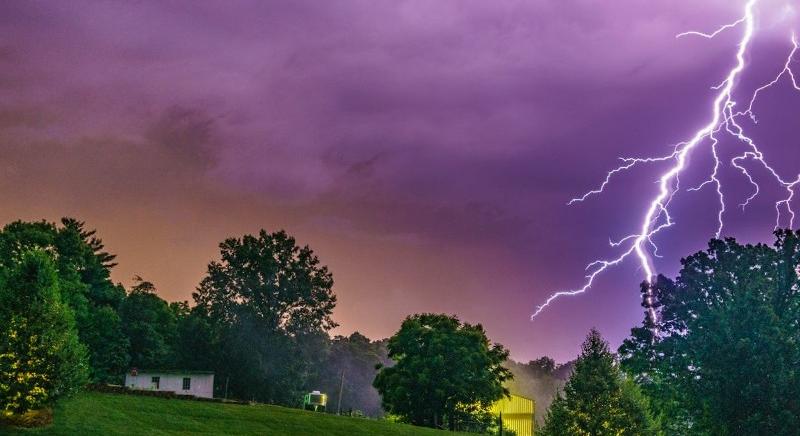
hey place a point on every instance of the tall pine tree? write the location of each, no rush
(41, 358)
(83, 269)
(598, 400)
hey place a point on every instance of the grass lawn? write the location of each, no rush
(93, 413)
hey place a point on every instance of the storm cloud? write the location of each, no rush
(425, 150)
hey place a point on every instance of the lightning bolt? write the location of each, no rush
(724, 121)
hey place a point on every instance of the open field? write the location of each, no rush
(92, 413)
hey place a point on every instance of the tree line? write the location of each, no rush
(721, 356)
(259, 319)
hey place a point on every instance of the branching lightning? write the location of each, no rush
(724, 121)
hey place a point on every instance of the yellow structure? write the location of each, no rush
(516, 413)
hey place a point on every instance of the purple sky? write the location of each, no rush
(424, 149)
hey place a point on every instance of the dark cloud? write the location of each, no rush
(188, 135)
(425, 149)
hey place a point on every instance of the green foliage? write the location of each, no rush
(725, 357)
(196, 345)
(598, 400)
(268, 306)
(151, 327)
(102, 328)
(445, 372)
(83, 269)
(272, 280)
(41, 358)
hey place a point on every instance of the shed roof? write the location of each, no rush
(173, 371)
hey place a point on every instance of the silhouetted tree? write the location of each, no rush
(197, 344)
(268, 303)
(151, 327)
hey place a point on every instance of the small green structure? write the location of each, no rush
(315, 401)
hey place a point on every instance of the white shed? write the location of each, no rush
(197, 383)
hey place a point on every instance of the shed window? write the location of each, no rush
(156, 381)
(187, 383)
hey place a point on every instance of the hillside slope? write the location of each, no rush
(109, 414)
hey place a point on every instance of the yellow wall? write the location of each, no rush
(517, 414)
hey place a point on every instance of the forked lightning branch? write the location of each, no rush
(724, 120)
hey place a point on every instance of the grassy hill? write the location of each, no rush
(110, 414)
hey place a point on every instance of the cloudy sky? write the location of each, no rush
(424, 149)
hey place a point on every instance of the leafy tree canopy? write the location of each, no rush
(151, 327)
(722, 356)
(269, 279)
(267, 306)
(83, 268)
(446, 372)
